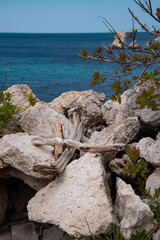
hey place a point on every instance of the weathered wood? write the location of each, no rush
(57, 127)
(72, 138)
(78, 145)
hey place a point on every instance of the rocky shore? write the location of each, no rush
(91, 193)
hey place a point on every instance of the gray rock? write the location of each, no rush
(153, 181)
(20, 153)
(19, 95)
(115, 112)
(116, 165)
(156, 236)
(116, 43)
(150, 150)
(5, 235)
(3, 202)
(55, 233)
(25, 231)
(78, 197)
(133, 214)
(87, 103)
(120, 132)
(38, 120)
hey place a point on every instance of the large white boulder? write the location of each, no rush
(77, 198)
(87, 103)
(20, 153)
(133, 214)
(38, 120)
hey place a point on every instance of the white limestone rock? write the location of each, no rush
(157, 40)
(87, 103)
(156, 236)
(134, 45)
(133, 214)
(19, 95)
(77, 197)
(116, 43)
(150, 150)
(120, 132)
(115, 112)
(153, 181)
(20, 153)
(38, 120)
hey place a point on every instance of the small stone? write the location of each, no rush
(25, 231)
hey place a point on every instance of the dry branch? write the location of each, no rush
(57, 127)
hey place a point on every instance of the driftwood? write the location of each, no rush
(57, 127)
(71, 141)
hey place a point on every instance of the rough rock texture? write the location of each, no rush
(153, 181)
(20, 153)
(3, 202)
(5, 235)
(38, 120)
(156, 236)
(80, 194)
(35, 183)
(150, 150)
(157, 40)
(116, 43)
(25, 231)
(88, 104)
(19, 93)
(116, 165)
(55, 233)
(115, 112)
(133, 214)
(120, 132)
(134, 45)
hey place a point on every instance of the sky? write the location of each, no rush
(68, 16)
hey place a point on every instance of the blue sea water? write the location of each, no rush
(48, 63)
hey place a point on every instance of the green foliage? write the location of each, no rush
(7, 109)
(31, 99)
(136, 168)
(154, 203)
(141, 236)
(147, 98)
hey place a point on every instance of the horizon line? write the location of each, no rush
(62, 32)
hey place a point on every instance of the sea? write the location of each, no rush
(49, 65)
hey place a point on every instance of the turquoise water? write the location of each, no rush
(48, 63)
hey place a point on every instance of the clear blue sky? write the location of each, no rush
(67, 16)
